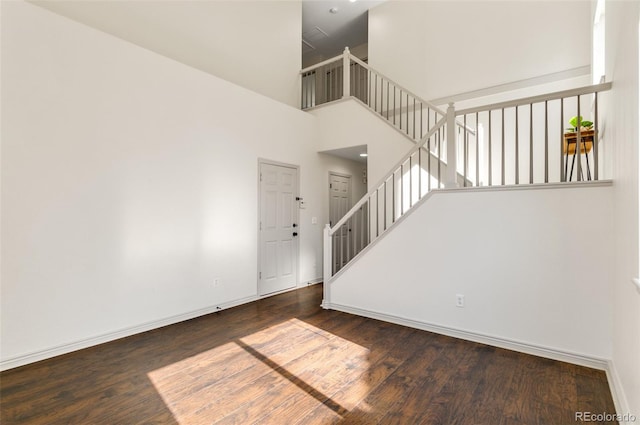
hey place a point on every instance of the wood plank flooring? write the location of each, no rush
(284, 360)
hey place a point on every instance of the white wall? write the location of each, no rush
(349, 123)
(532, 266)
(621, 117)
(129, 182)
(442, 48)
(255, 44)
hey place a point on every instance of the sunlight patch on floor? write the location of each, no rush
(287, 369)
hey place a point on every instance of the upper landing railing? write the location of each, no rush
(346, 76)
(533, 139)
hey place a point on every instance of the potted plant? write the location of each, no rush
(577, 121)
(571, 136)
(569, 146)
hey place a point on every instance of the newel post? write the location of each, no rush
(326, 266)
(346, 73)
(451, 177)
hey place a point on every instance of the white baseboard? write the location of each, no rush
(36, 356)
(522, 347)
(617, 393)
(58, 350)
(615, 386)
(310, 282)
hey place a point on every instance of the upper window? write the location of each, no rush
(598, 61)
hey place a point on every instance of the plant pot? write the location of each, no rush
(569, 145)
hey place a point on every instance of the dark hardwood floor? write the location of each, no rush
(284, 360)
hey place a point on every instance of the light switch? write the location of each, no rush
(314, 220)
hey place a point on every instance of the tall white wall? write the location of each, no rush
(129, 182)
(622, 124)
(443, 48)
(534, 268)
(255, 44)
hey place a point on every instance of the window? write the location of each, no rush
(598, 59)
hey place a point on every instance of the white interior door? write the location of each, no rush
(278, 228)
(339, 205)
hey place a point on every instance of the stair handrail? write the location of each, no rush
(347, 57)
(439, 124)
(366, 66)
(409, 92)
(420, 99)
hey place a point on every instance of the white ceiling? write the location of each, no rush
(352, 153)
(173, 28)
(326, 34)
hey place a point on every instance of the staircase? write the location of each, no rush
(346, 76)
(523, 141)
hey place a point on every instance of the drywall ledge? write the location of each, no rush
(534, 186)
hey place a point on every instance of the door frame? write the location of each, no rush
(335, 173)
(349, 201)
(259, 236)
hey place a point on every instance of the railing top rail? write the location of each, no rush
(537, 99)
(321, 64)
(376, 187)
(424, 102)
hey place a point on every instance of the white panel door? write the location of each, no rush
(278, 228)
(339, 205)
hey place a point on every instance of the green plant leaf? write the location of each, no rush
(574, 121)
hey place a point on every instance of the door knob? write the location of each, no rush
(295, 233)
(295, 225)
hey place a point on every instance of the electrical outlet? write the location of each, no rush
(459, 300)
(216, 282)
